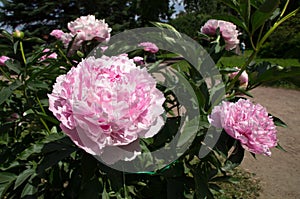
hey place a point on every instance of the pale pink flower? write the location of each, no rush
(88, 27)
(106, 104)
(51, 56)
(57, 33)
(85, 28)
(227, 29)
(3, 59)
(243, 79)
(248, 123)
(138, 60)
(150, 47)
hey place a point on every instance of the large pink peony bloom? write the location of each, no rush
(227, 29)
(105, 105)
(150, 47)
(3, 59)
(248, 123)
(243, 78)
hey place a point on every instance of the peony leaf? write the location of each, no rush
(234, 20)
(6, 179)
(280, 147)
(245, 10)
(29, 189)
(235, 158)
(278, 122)
(23, 176)
(264, 12)
(13, 65)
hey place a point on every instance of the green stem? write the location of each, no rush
(41, 119)
(260, 34)
(5, 75)
(273, 28)
(22, 52)
(64, 56)
(284, 8)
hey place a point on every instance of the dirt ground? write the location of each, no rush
(280, 173)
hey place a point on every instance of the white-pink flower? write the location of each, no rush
(88, 27)
(51, 56)
(243, 78)
(106, 104)
(3, 59)
(85, 28)
(248, 123)
(227, 29)
(150, 47)
(138, 60)
(57, 33)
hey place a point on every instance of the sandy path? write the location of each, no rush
(280, 174)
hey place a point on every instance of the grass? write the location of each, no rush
(248, 186)
(239, 60)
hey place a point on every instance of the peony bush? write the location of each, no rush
(73, 109)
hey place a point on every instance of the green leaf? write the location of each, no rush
(234, 20)
(53, 158)
(36, 148)
(29, 189)
(23, 176)
(105, 195)
(278, 122)
(278, 146)
(13, 65)
(7, 35)
(189, 132)
(235, 157)
(6, 179)
(269, 73)
(4, 94)
(264, 12)
(16, 46)
(232, 4)
(245, 10)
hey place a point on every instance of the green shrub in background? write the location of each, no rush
(285, 42)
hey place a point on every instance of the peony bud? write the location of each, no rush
(18, 35)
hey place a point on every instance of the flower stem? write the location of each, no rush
(22, 52)
(5, 75)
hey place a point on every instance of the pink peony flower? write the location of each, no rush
(85, 28)
(3, 59)
(57, 33)
(105, 105)
(88, 27)
(243, 78)
(227, 29)
(138, 60)
(248, 123)
(150, 47)
(51, 56)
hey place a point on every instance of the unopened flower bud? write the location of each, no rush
(18, 34)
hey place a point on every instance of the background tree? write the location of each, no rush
(39, 17)
(196, 13)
